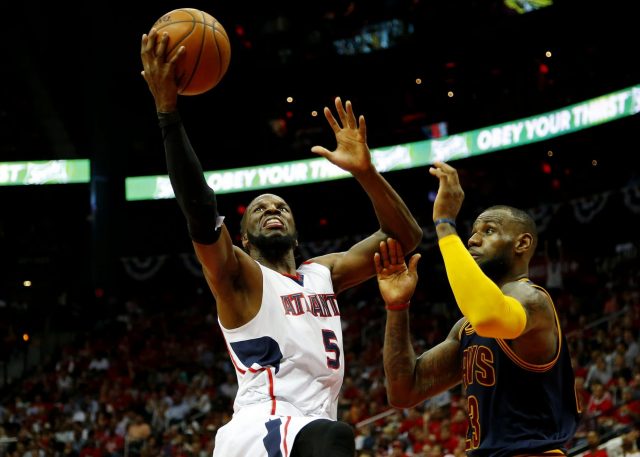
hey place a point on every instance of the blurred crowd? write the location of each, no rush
(146, 372)
(154, 378)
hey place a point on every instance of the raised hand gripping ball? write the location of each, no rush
(208, 50)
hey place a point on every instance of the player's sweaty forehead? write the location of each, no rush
(267, 199)
(493, 216)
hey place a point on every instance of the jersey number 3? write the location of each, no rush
(331, 345)
(473, 434)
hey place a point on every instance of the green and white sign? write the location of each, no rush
(44, 172)
(567, 120)
(274, 175)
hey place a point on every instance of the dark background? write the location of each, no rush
(72, 89)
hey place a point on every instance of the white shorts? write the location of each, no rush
(252, 433)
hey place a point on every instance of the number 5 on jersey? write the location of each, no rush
(331, 345)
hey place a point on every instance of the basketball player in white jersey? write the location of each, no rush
(281, 322)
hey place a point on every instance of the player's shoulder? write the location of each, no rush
(327, 260)
(535, 298)
(459, 329)
(527, 290)
(313, 265)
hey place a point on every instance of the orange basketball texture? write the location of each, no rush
(208, 50)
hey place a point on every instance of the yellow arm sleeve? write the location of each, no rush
(492, 313)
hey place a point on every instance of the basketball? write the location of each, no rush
(208, 50)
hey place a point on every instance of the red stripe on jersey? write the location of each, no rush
(273, 398)
(232, 359)
(286, 430)
(296, 276)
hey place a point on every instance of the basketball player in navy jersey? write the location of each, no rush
(508, 350)
(281, 322)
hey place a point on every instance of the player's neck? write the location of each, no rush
(286, 264)
(512, 276)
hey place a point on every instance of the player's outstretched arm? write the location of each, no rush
(352, 154)
(410, 379)
(228, 270)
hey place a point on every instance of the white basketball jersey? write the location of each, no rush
(289, 358)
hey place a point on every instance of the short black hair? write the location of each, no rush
(523, 218)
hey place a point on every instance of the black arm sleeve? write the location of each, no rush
(196, 199)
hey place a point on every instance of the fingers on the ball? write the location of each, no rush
(177, 55)
(152, 39)
(147, 43)
(164, 41)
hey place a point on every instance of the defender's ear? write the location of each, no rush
(524, 243)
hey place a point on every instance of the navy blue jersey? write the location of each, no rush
(516, 407)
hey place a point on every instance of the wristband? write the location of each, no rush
(445, 220)
(400, 307)
(167, 119)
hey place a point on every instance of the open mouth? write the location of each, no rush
(273, 223)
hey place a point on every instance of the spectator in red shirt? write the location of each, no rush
(414, 418)
(629, 410)
(601, 402)
(91, 448)
(448, 441)
(459, 423)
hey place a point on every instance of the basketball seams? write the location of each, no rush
(215, 40)
(194, 70)
(223, 33)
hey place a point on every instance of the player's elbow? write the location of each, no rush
(414, 237)
(485, 327)
(399, 397)
(506, 320)
(397, 402)
(497, 327)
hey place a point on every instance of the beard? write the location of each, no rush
(497, 267)
(273, 248)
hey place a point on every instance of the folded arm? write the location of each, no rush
(491, 312)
